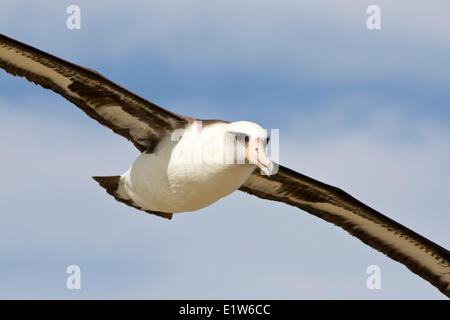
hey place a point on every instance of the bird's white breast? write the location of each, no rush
(184, 175)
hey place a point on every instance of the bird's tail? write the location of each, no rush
(112, 185)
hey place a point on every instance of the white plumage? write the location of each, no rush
(190, 173)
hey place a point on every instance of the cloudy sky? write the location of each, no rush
(363, 110)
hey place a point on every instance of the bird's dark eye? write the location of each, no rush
(239, 136)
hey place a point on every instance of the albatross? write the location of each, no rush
(166, 178)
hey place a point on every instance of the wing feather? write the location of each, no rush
(139, 120)
(422, 256)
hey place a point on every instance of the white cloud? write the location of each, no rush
(322, 39)
(394, 163)
(241, 247)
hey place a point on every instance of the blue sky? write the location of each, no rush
(363, 110)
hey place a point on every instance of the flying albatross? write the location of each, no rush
(162, 182)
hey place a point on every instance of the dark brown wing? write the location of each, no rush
(420, 255)
(140, 121)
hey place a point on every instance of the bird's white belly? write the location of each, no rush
(156, 183)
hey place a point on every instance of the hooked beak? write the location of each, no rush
(256, 154)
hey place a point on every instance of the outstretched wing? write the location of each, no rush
(140, 121)
(420, 255)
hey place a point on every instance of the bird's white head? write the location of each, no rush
(252, 140)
